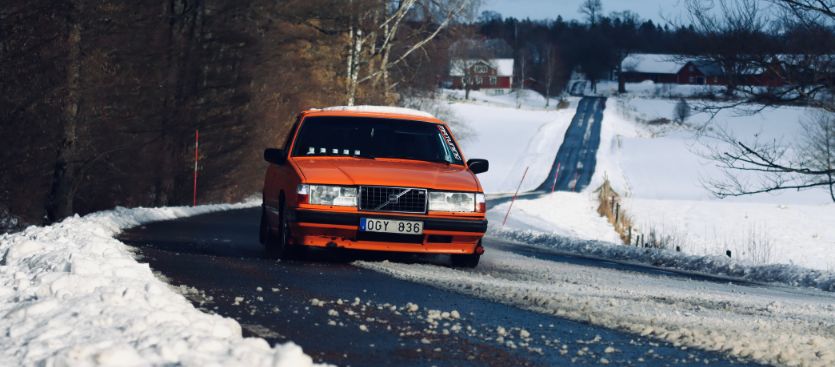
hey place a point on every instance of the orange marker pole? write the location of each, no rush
(196, 158)
(556, 176)
(514, 196)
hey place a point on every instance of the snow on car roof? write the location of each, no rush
(377, 109)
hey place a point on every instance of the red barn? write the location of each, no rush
(490, 75)
(669, 69)
(678, 69)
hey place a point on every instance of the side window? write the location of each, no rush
(289, 139)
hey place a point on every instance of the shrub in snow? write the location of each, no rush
(8, 222)
(681, 111)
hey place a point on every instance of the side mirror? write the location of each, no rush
(275, 156)
(478, 165)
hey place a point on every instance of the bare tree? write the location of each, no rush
(464, 54)
(821, 7)
(757, 167)
(734, 33)
(379, 41)
(800, 73)
(65, 171)
(592, 10)
(552, 66)
(818, 150)
(522, 69)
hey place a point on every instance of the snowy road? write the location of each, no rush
(341, 312)
(576, 159)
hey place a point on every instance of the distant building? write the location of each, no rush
(489, 75)
(679, 69)
(669, 69)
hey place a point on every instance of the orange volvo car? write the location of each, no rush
(373, 178)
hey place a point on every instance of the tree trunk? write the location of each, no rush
(547, 94)
(353, 64)
(829, 128)
(174, 127)
(65, 170)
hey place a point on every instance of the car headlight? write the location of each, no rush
(328, 195)
(455, 201)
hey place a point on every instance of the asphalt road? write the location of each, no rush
(577, 156)
(350, 316)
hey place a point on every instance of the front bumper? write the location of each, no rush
(341, 230)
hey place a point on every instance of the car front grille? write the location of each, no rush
(392, 199)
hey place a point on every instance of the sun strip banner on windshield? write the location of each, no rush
(448, 140)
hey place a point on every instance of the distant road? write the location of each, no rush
(576, 159)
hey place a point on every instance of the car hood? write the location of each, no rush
(385, 172)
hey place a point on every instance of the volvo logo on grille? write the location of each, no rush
(394, 199)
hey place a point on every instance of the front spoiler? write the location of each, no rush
(353, 219)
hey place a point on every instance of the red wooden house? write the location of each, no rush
(490, 75)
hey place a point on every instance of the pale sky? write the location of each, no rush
(657, 10)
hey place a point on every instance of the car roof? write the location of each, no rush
(375, 112)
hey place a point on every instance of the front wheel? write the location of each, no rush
(278, 245)
(465, 261)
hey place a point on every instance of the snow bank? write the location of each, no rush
(564, 214)
(763, 233)
(782, 274)
(769, 325)
(72, 295)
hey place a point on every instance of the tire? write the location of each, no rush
(469, 261)
(278, 245)
(264, 229)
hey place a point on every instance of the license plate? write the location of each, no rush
(391, 226)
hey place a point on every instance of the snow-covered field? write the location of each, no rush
(72, 295)
(663, 171)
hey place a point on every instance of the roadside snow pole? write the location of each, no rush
(196, 158)
(514, 196)
(556, 176)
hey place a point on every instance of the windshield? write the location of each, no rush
(375, 138)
